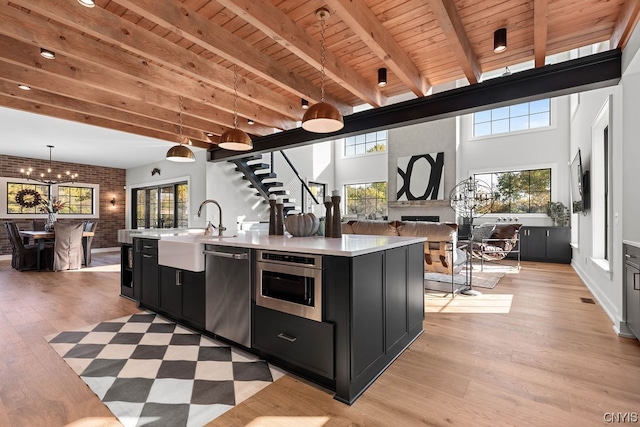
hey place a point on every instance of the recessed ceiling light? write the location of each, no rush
(87, 3)
(250, 121)
(304, 104)
(45, 53)
(209, 134)
(24, 87)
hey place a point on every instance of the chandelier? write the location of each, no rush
(471, 198)
(49, 178)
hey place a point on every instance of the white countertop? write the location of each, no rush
(348, 245)
(631, 243)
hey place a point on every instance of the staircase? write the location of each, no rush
(262, 179)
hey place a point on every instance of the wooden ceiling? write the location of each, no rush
(126, 64)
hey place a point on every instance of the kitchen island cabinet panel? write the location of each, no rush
(146, 272)
(305, 343)
(363, 295)
(182, 295)
(368, 311)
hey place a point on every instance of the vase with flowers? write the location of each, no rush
(51, 207)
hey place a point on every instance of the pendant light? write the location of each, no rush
(235, 139)
(500, 40)
(322, 117)
(181, 153)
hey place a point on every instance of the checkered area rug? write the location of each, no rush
(152, 372)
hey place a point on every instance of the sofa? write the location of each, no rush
(441, 254)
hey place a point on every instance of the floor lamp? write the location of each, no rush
(470, 198)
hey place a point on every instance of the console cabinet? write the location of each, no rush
(632, 288)
(547, 244)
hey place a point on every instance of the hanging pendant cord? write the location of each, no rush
(235, 96)
(180, 118)
(323, 57)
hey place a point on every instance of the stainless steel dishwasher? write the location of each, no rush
(228, 292)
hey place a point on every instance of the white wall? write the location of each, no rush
(193, 173)
(542, 148)
(432, 137)
(369, 167)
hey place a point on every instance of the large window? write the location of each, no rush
(600, 186)
(368, 199)
(366, 143)
(165, 206)
(525, 191)
(513, 118)
(15, 188)
(77, 200)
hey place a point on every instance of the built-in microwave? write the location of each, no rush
(290, 283)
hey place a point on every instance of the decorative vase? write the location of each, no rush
(51, 219)
(328, 222)
(272, 217)
(279, 219)
(336, 226)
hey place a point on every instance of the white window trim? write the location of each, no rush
(552, 126)
(554, 185)
(54, 193)
(602, 120)
(343, 196)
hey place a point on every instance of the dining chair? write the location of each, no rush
(37, 224)
(23, 256)
(67, 249)
(86, 242)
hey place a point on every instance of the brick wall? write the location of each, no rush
(111, 181)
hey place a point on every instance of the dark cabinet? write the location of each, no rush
(305, 343)
(126, 270)
(548, 244)
(182, 295)
(376, 302)
(145, 272)
(632, 288)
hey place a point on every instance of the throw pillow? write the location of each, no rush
(482, 232)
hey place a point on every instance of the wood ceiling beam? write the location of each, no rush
(194, 27)
(47, 110)
(540, 28)
(112, 29)
(587, 73)
(37, 78)
(40, 97)
(626, 22)
(282, 29)
(366, 25)
(121, 86)
(450, 23)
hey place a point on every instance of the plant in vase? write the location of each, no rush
(559, 213)
(51, 207)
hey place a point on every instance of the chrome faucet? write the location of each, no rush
(220, 227)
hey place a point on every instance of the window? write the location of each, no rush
(366, 199)
(80, 200)
(77, 200)
(526, 191)
(165, 206)
(513, 118)
(366, 143)
(601, 144)
(13, 188)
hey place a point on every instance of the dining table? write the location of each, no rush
(40, 238)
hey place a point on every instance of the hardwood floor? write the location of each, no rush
(551, 360)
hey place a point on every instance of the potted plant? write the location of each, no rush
(559, 213)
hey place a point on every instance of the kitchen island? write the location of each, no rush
(369, 296)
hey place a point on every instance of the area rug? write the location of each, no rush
(151, 372)
(440, 281)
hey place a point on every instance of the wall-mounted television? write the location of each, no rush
(579, 185)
